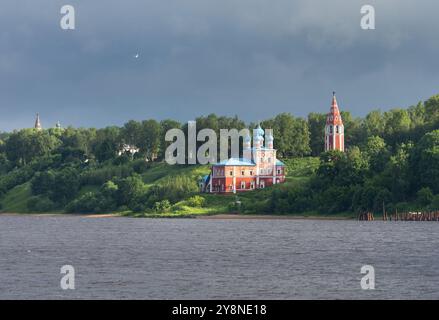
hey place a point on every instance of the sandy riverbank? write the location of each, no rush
(84, 215)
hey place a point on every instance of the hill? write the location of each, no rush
(299, 171)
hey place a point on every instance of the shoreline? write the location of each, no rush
(225, 216)
(84, 215)
(219, 216)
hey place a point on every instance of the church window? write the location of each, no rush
(278, 171)
(251, 172)
(336, 129)
(330, 129)
(242, 185)
(231, 172)
(242, 173)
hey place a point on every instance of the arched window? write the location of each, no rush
(330, 129)
(242, 185)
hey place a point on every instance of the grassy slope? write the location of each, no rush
(299, 171)
(15, 201)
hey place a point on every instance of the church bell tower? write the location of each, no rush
(334, 129)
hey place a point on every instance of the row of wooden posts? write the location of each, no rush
(405, 216)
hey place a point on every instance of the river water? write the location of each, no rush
(126, 258)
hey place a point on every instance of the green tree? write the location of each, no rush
(374, 124)
(150, 139)
(165, 126)
(291, 135)
(377, 153)
(424, 197)
(424, 162)
(397, 126)
(130, 190)
(316, 124)
(27, 144)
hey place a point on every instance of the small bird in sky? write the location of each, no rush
(136, 56)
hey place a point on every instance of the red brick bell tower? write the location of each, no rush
(334, 129)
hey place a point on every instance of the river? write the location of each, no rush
(128, 258)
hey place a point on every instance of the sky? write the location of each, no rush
(251, 58)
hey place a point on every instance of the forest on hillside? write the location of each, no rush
(391, 162)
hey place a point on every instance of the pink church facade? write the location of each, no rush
(257, 169)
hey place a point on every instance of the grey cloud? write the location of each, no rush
(253, 58)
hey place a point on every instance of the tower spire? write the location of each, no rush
(38, 122)
(334, 102)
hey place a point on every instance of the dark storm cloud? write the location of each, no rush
(253, 58)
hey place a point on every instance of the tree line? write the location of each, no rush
(391, 160)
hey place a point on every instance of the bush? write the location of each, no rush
(59, 186)
(162, 206)
(173, 189)
(43, 182)
(87, 203)
(15, 178)
(109, 190)
(40, 204)
(131, 192)
(140, 166)
(196, 201)
(424, 197)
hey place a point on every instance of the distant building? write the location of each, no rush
(127, 148)
(38, 123)
(334, 129)
(259, 168)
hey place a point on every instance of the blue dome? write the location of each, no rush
(258, 138)
(259, 131)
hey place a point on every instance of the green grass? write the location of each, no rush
(299, 172)
(301, 167)
(160, 171)
(15, 201)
